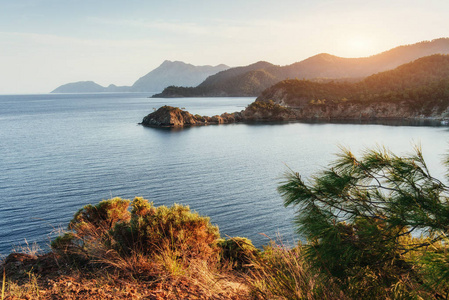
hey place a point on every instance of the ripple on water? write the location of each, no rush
(81, 149)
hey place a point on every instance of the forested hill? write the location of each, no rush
(330, 66)
(253, 79)
(240, 81)
(416, 89)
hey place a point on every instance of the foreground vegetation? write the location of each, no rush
(376, 228)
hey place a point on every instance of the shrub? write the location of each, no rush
(64, 242)
(177, 227)
(238, 251)
(109, 233)
(97, 219)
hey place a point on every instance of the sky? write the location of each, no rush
(47, 43)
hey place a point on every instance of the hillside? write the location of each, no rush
(253, 79)
(419, 89)
(234, 82)
(168, 73)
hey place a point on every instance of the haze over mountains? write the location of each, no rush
(253, 79)
(421, 86)
(417, 91)
(168, 73)
(178, 79)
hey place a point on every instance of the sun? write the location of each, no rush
(359, 46)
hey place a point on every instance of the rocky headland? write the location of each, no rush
(413, 92)
(258, 111)
(169, 116)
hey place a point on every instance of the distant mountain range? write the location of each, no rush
(89, 87)
(253, 79)
(168, 73)
(178, 79)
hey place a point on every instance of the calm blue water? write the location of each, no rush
(60, 152)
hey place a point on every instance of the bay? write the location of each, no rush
(59, 152)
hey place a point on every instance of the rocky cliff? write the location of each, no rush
(374, 111)
(304, 108)
(417, 90)
(261, 111)
(168, 116)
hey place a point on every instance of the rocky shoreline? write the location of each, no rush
(169, 116)
(268, 111)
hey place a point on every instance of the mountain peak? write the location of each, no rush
(175, 73)
(166, 62)
(323, 57)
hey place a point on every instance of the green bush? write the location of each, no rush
(154, 228)
(238, 251)
(96, 230)
(98, 219)
(64, 243)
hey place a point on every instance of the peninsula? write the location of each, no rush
(414, 91)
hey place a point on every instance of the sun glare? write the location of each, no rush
(359, 47)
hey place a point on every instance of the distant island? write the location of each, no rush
(253, 79)
(168, 73)
(414, 91)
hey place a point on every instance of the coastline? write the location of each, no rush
(169, 117)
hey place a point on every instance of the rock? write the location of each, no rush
(168, 116)
(19, 258)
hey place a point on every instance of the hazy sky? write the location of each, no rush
(46, 43)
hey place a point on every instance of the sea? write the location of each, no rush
(59, 152)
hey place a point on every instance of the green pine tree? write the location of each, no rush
(379, 224)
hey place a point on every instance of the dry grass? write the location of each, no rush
(197, 280)
(220, 283)
(172, 253)
(279, 272)
(283, 273)
(3, 284)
